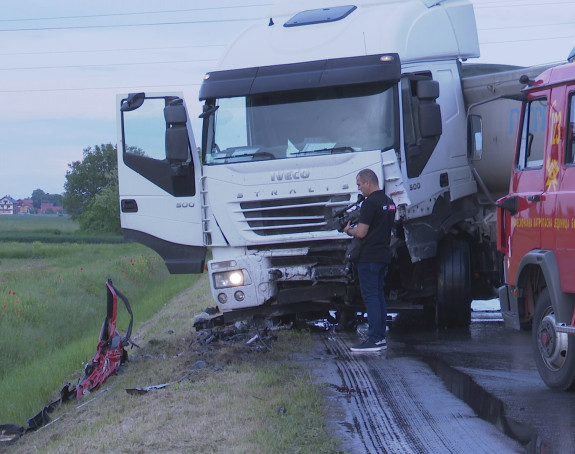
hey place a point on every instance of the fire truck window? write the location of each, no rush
(569, 143)
(532, 145)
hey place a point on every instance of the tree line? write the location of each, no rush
(91, 194)
(39, 197)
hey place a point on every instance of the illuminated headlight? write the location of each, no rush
(233, 278)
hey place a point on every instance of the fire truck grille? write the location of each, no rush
(291, 216)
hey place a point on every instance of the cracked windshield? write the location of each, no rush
(307, 123)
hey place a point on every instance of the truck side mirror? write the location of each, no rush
(133, 101)
(475, 134)
(426, 114)
(510, 204)
(177, 140)
(429, 111)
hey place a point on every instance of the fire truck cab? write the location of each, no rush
(536, 226)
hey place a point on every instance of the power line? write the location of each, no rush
(23, 68)
(111, 50)
(150, 24)
(547, 38)
(128, 88)
(515, 3)
(553, 24)
(27, 68)
(91, 16)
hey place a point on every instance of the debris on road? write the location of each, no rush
(147, 389)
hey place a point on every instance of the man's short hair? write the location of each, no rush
(368, 175)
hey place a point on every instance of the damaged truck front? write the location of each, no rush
(303, 101)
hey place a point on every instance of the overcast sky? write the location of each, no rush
(63, 62)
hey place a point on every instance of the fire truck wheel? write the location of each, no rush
(453, 305)
(554, 352)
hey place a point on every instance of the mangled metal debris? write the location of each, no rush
(256, 334)
(147, 389)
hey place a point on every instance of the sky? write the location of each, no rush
(62, 64)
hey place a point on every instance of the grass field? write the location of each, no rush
(53, 303)
(47, 229)
(40, 224)
(243, 400)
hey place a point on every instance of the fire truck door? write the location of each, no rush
(527, 182)
(561, 181)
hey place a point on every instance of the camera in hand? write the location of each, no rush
(343, 216)
(350, 216)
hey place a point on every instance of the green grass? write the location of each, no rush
(43, 224)
(47, 229)
(53, 304)
(290, 411)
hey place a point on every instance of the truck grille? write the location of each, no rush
(295, 215)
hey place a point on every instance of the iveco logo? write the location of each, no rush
(290, 175)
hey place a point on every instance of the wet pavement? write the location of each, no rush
(491, 368)
(387, 403)
(465, 390)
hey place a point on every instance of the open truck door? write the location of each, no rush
(159, 179)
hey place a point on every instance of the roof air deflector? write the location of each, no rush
(320, 16)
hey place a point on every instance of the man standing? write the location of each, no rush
(374, 228)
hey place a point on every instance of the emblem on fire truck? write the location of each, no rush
(552, 172)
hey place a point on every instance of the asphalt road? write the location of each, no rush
(472, 390)
(492, 369)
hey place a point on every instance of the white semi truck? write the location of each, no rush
(301, 102)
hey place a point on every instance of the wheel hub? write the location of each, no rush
(552, 345)
(545, 339)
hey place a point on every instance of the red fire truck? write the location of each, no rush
(536, 226)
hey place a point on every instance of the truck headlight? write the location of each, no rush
(233, 278)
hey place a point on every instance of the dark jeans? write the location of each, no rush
(371, 276)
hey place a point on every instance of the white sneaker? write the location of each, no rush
(382, 343)
(369, 346)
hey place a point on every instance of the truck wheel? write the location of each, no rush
(347, 320)
(554, 352)
(453, 304)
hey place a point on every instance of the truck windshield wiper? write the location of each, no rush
(323, 150)
(227, 157)
(237, 154)
(243, 155)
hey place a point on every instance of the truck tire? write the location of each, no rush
(453, 302)
(347, 320)
(554, 352)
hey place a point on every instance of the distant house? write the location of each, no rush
(26, 206)
(8, 205)
(50, 208)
